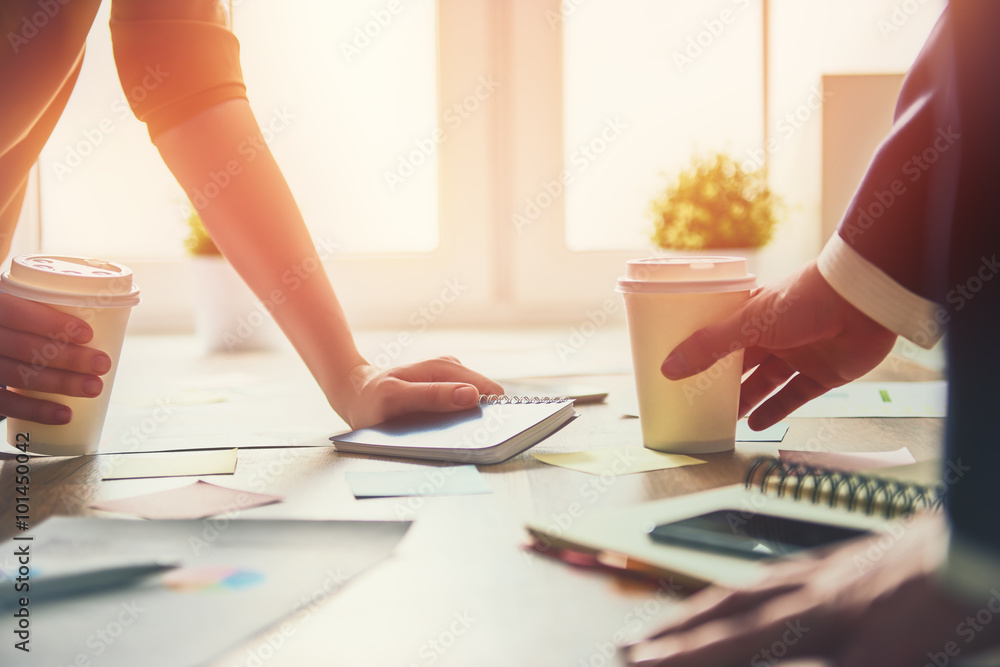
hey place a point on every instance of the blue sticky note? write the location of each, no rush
(770, 434)
(422, 481)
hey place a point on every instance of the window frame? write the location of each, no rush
(496, 161)
(377, 289)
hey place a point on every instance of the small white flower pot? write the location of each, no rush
(228, 316)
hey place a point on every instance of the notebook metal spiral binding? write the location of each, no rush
(857, 492)
(504, 399)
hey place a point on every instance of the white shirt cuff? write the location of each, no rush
(969, 572)
(874, 293)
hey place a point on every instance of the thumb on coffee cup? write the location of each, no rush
(702, 349)
(692, 356)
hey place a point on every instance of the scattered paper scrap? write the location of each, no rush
(774, 433)
(622, 460)
(629, 405)
(195, 501)
(880, 399)
(847, 461)
(860, 399)
(424, 481)
(172, 464)
(207, 435)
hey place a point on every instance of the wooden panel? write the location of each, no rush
(857, 115)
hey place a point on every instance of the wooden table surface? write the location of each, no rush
(460, 589)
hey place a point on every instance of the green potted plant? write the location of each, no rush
(198, 243)
(228, 316)
(716, 207)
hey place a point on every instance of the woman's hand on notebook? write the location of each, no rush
(434, 385)
(873, 602)
(42, 349)
(798, 330)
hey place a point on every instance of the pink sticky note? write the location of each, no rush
(195, 501)
(847, 461)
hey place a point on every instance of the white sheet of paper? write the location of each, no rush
(424, 481)
(239, 581)
(774, 433)
(847, 461)
(880, 399)
(859, 399)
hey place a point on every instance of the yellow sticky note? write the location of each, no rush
(172, 464)
(623, 460)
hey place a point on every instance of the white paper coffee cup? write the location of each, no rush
(100, 293)
(667, 300)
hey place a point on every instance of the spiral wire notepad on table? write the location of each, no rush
(496, 429)
(860, 501)
(507, 399)
(870, 493)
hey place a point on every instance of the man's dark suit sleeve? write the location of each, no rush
(918, 251)
(892, 220)
(972, 461)
(886, 255)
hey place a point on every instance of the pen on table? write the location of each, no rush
(90, 581)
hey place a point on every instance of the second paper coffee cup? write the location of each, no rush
(100, 293)
(667, 300)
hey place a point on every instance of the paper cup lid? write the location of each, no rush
(70, 281)
(687, 274)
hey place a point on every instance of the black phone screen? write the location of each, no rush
(750, 535)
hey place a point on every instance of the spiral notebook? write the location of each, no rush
(497, 429)
(886, 492)
(862, 501)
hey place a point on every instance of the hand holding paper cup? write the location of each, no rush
(667, 300)
(101, 294)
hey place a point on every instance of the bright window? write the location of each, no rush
(678, 78)
(427, 139)
(359, 83)
(344, 112)
(808, 40)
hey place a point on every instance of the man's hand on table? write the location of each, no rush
(797, 330)
(863, 608)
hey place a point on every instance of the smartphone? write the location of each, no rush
(753, 536)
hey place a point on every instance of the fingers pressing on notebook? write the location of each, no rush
(435, 385)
